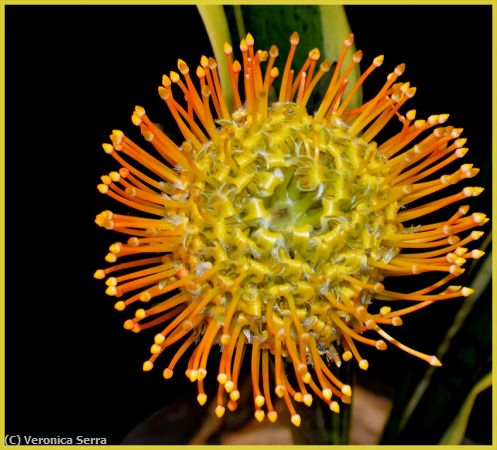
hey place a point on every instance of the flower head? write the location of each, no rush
(273, 229)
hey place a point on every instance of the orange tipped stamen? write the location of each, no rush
(274, 228)
(294, 40)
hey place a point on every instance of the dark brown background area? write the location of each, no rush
(73, 73)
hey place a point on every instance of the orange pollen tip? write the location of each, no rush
(222, 378)
(384, 310)
(411, 115)
(357, 56)
(118, 136)
(327, 393)
(99, 274)
(347, 356)
(298, 397)
(193, 375)
(307, 399)
(349, 40)
(272, 416)
(115, 248)
(280, 390)
(229, 386)
(434, 361)
(129, 324)
(294, 38)
(111, 281)
(115, 176)
(235, 395)
(103, 188)
(111, 291)
(168, 373)
(155, 349)
(259, 401)
(219, 411)
(259, 415)
(455, 270)
(225, 339)
(202, 399)
(228, 49)
(139, 111)
(472, 191)
(164, 93)
(295, 419)
(108, 148)
(479, 218)
(159, 338)
(363, 364)
(381, 345)
(378, 61)
(133, 241)
(325, 66)
(466, 291)
(347, 390)
(396, 321)
(110, 258)
(399, 70)
(249, 39)
(476, 235)
(477, 254)
(335, 407)
(314, 54)
(148, 366)
(212, 64)
(166, 81)
(183, 67)
(200, 72)
(120, 306)
(105, 179)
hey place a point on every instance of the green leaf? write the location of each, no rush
(455, 434)
(335, 29)
(216, 25)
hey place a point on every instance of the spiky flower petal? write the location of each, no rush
(273, 229)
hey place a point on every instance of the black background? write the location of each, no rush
(72, 75)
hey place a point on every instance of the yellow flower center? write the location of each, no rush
(298, 208)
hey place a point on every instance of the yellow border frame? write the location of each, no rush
(4, 3)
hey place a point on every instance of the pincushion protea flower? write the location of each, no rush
(272, 229)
